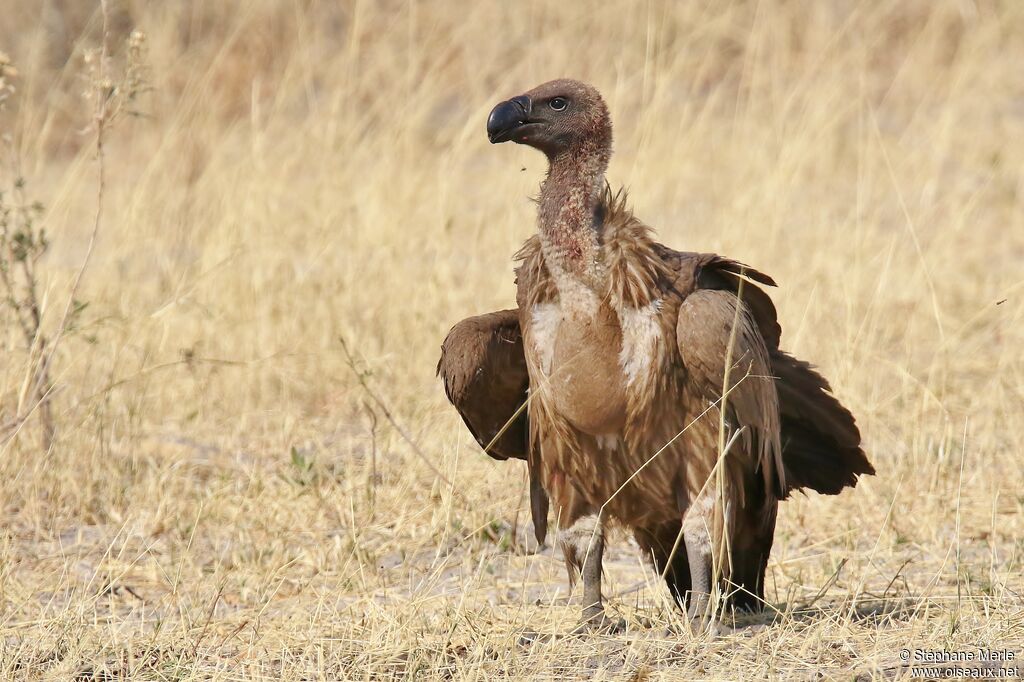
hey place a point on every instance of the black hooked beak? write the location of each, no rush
(508, 117)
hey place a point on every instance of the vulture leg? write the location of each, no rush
(698, 552)
(697, 539)
(582, 540)
(657, 544)
(593, 557)
(750, 550)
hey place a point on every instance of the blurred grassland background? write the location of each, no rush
(223, 500)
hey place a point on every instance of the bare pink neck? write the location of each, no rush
(569, 199)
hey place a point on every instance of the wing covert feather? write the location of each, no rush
(703, 333)
(484, 372)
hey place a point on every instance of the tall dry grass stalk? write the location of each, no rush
(218, 503)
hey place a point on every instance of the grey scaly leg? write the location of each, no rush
(583, 546)
(699, 557)
(697, 538)
(593, 557)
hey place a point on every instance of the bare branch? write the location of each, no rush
(361, 378)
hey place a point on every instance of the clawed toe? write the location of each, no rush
(598, 622)
(591, 624)
(531, 637)
(697, 625)
(703, 625)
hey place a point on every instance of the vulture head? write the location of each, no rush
(556, 117)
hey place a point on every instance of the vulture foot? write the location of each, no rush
(531, 637)
(700, 607)
(695, 627)
(702, 624)
(596, 621)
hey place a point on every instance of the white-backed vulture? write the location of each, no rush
(622, 348)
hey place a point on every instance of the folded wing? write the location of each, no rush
(484, 371)
(821, 444)
(721, 345)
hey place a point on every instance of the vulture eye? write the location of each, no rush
(558, 103)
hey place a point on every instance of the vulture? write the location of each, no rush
(644, 387)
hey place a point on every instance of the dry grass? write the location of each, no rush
(219, 502)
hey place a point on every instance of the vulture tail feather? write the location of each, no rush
(821, 446)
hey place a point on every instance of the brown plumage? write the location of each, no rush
(484, 373)
(627, 346)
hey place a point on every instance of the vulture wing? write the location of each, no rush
(821, 446)
(717, 272)
(484, 371)
(713, 326)
(485, 377)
